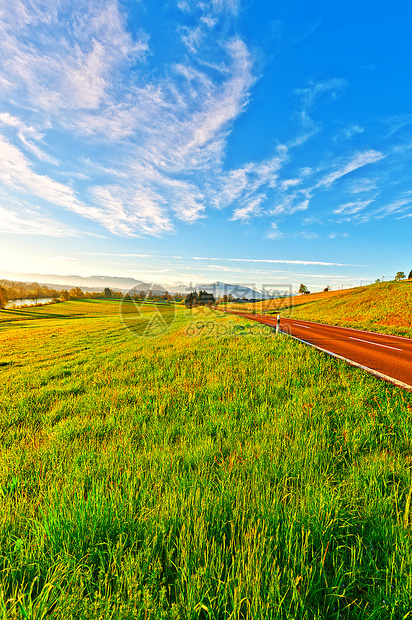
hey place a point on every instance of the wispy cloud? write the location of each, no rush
(336, 234)
(349, 132)
(176, 125)
(313, 93)
(363, 185)
(20, 219)
(402, 204)
(251, 209)
(60, 74)
(398, 122)
(26, 134)
(290, 204)
(16, 171)
(307, 234)
(274, 261)
(278, 261)
(354, 163)
(159, 138)
(209, 7)
(274, 232)
(353, 207)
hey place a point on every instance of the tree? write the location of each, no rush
(303, 289)
(191, 299)
(35, 292)
(410, 275)
(107, 292)
(400, 276)
(3, 297)
(326, 289)
(76, 293)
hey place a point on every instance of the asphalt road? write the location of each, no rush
(389, 357)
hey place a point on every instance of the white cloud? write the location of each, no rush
(16, 172)
(25, 221)
(124, 212)
(290, 204)
(290, 183)
(356, 161)
(397, 206)
(26, 134)
(353, 207)
(58, 73)
(363, 185)
(274, 233)
(78, 69)
(278, 261)
(248, 182)
(251, 209)
(68, 61)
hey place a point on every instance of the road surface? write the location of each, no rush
(388, 357)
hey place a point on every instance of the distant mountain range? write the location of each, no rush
(98, 283)
(238, 291)
(89, 283)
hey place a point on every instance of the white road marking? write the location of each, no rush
(376, 343)
(304, 326)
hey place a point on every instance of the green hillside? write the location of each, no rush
(383, 307)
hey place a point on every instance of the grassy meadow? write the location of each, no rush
(384, 307)
(215, 471)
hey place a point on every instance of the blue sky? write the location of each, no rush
(250, 142)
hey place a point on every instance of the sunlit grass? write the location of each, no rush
(225, 474)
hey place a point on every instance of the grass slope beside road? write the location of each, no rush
(227, 473)
(384, 307)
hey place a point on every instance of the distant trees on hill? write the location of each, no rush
(410, 275)
(303, 289)
(400, 276)
(11, 290)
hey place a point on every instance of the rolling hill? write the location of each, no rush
(383, 307)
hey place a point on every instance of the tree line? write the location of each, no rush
(11, 291)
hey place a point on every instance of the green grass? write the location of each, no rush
(240, 476)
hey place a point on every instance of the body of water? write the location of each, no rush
(28, 302)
